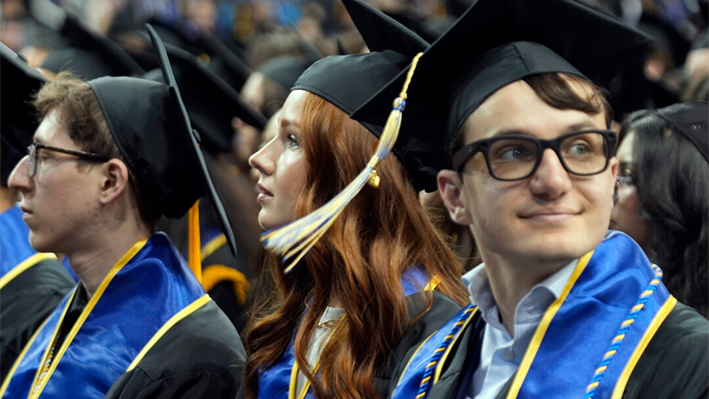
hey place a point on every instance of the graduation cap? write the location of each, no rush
(152, 129)
(210, 102)
(427, 31)
(82, 64)
(691, 119)
(497, 42)
(347, 81)
(18, 120)
(216, 56)
(286, 69)
(115, 61)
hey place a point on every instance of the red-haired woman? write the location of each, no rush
(336, 325)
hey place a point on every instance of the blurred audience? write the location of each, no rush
(662, 198)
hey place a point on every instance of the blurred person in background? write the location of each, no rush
(663, 194)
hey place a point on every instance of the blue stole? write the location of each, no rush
(279, 381)
(14, 240)
(144, 294)
(588, 341)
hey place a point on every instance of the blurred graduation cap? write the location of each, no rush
(89, 55)
(350, 80)
(210, 102)
(82, 64)
(497, 42)
(18, 120)
(151, 127)
(286, 69)
(214, 54)
(692, 119)
(456, 8)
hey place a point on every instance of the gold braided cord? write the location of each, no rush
(293, 240)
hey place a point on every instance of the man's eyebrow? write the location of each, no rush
(507, 132)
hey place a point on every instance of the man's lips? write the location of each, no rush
(26, 213)
(550, 214)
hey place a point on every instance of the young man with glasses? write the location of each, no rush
(108, 159)
(562, 307)
(31, 284)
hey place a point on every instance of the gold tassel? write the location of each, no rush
(293, 240)
(195, 257)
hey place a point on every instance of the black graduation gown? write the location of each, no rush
(442, 309)
(187, 362)
(674, 365)
(25, 302)
(224, 291)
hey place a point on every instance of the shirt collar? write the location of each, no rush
(537, 300)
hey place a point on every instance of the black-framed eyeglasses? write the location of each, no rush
(516, 157)
(34, 148)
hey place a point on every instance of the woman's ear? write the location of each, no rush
(114, 180)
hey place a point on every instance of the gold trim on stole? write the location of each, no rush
(655, 324)
(188, 310)
(23, 266)
(536, 341)
(35, 391)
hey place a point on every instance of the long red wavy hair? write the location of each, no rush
(358, 263)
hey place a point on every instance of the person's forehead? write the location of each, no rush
(517, 109)
(292, 110)
(50, 130)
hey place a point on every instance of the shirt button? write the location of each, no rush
(508, 355)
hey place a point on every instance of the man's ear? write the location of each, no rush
(115, 180)
(451, 188)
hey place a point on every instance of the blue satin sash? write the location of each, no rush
(275, 382)
(140, 294)
(14, 240)
(595, 331)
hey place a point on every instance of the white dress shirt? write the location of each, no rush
(322, 334)
(501, 354)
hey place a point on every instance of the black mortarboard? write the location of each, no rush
(286, 69)
(116, 61)
(417, 24)
(691, 119)
(18, 119)
(220, 59)
(211, 103)
(348, 81)
(150, 126)
(497, 42)
(80, 63)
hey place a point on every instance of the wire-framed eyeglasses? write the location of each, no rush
(34, 148)
(516, 157)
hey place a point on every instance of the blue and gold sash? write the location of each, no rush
(145, 293)
(588, 341)
(15, 245)
(279, 381)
